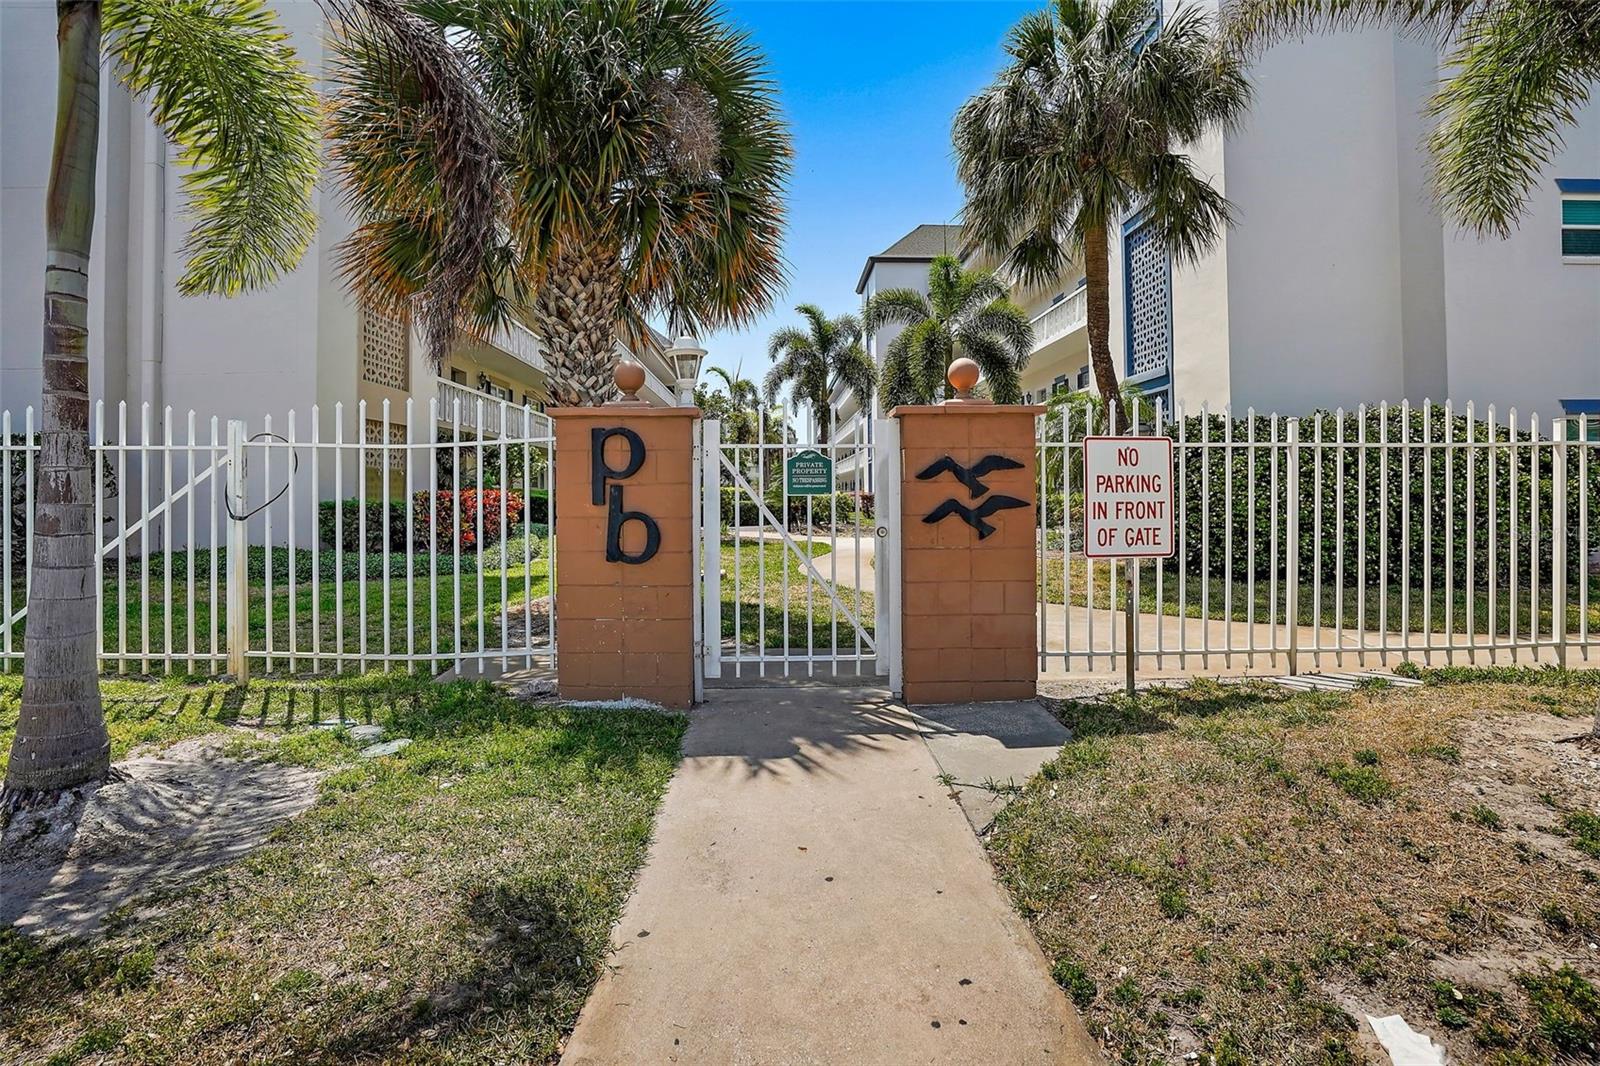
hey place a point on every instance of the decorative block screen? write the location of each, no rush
(386, 350)
(397, 439)
(1148, 280)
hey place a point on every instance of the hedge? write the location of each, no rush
(748, 514)
(1203, 484)
(409, 527)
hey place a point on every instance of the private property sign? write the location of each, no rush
(1127, 498)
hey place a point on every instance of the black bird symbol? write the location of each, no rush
(974, 516)
(969, 476)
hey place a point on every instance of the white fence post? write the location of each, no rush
(1291, 565)
(1558, 539)
(238, 559)
(886, 506)
(711, 540)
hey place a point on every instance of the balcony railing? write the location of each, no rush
(1060, 318)
(521, 342)
(481, 414)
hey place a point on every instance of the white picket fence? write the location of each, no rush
(217, 556)
(1422, 534)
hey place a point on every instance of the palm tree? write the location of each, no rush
(1086, 124)
(222, 83)
(966, 313)
(590, 164)
(743, 404)
(810, 360)
(1516, 74)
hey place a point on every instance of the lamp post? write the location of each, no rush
(685, 357)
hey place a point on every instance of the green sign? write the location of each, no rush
(809, 473)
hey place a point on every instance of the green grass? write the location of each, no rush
(138, 618)
(760, 581)
(1216, 598)
(1250, 866)
(448, 904)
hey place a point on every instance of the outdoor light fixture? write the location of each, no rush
(685, 357)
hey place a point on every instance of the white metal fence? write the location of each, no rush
(1358, 538)
(327, 544)
(357, 539)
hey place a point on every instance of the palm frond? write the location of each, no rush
(1523, 71)
(891, 306)
(1254, 24)
(413, 144)
(226, 88)
(1007, 324)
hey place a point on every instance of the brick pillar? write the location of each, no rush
(625, 623)
(969, 615)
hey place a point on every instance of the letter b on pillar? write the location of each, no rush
(624, 525)
(968, 520)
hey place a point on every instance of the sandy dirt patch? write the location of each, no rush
(165, 818)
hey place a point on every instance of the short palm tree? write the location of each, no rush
(589, 164)
(810, 360)
(743, 405)
(223, 84)
(1085, 125)
(965, 313)
(1516, 72)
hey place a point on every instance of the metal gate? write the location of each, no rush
(799, 580)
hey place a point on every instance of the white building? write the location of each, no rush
(1340, 284)
(301, 342)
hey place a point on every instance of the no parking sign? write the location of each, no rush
(1127, 498)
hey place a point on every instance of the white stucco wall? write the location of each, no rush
(285, 347)
(1524, 327)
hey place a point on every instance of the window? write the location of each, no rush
(1580, 219)
(458, 375)
(1083, 378)
(1059, 384)
(1583, 419)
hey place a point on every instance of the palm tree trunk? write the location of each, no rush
(577, 310)
(1097, 297)
(61, 738)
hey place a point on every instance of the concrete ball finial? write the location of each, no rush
(962, 376)
(629, 378)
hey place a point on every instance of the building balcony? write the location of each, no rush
(1061, 319)
(483, 415)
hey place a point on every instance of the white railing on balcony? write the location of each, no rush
(484, 414)
(519, 341)
(1060, 318)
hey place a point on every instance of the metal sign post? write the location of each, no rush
(1128, 515)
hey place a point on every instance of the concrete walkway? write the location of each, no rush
(814, 895)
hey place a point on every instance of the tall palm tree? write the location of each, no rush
(1516, 74)
(588, 163)
(966, 313)
(1086, 124)
(222, 83)
(809, 360)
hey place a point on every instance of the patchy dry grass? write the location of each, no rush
(451, 903)
(1243, 873)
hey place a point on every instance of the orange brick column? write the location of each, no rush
(968, 610)
(625, 628)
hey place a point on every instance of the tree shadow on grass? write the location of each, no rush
(531, 963)
(1160, 708)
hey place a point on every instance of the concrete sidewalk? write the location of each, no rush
(814, 895)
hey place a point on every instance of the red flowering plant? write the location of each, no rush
(457, 516)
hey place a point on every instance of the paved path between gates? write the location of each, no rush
(814, 895)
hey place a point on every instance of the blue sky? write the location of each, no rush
(869, 90)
